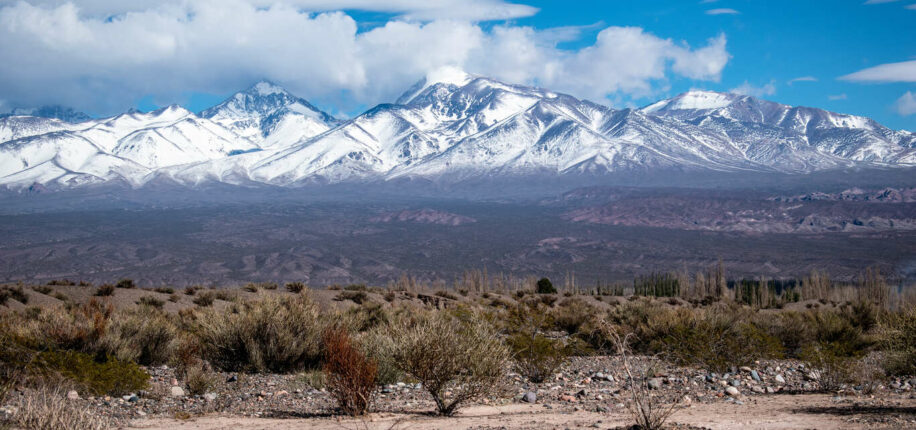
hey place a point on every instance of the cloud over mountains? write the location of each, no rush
(103, 56)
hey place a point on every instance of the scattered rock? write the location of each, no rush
(232, 378)
(780, 380)
(176, 391)
(732, 391)
(530, 397)
(73, 395)
(755, 375)
(655, 383)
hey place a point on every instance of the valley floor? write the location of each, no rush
(779, 411)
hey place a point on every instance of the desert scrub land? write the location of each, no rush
(663, 353)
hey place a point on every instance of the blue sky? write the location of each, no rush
(104, 56)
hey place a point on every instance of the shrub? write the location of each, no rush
(295, 287)
(649, 411)
(190, 291)
(446, 295)
(898, 339)
(834, 367)
(60, 296)
(356, 287)
(204, 300)
(544, 286)
(164, 290)
(381, 348)
(48, 409)
(536, 356)
(269, 285)
(126, 283)
(105, 290)
(251, 288)
(199, 378)
(15, 293)
(98, 377)
(358, 297)
(174, 298)
(42, 289)
(350, 375)
(150, 301)
(456, 361)
(144, 335)
(275, 334)
(62, 282)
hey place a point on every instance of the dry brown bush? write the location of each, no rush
(351, 376)
(144, 335)
(456, 361)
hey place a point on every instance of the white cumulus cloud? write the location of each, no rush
(906, 104)
(59, 53)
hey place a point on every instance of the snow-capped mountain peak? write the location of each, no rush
(266, 113)
(693, 100)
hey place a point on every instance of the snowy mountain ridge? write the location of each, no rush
(450, 126)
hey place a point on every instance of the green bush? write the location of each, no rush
(544, 286)
(107, 375)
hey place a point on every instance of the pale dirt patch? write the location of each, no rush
(809, 411)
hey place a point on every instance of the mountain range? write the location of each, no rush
(449, 126)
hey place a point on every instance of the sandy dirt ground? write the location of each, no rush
(809, 411)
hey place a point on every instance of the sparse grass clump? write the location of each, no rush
(48, 409)
(126, 283)
(143, 335)
(164, 290)
(204, 299)
(150, 301)
(457, 361)
(199, 378)
(358, 297)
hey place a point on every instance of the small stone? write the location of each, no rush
(232, 378)
(567, 398)
(770, 390)
(73, 395)
(141, 413)
(281, 393)
(735, 382)
(755, 375)
(710, 378)
(757, 389)
(210, 397)
(732, 391)
(133, 398)
(174, 382)
(745, 369)
(177, 391)
(780, 380)
(655, 383)
(530, 397)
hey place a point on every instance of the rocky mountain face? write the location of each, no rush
(449, 126)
